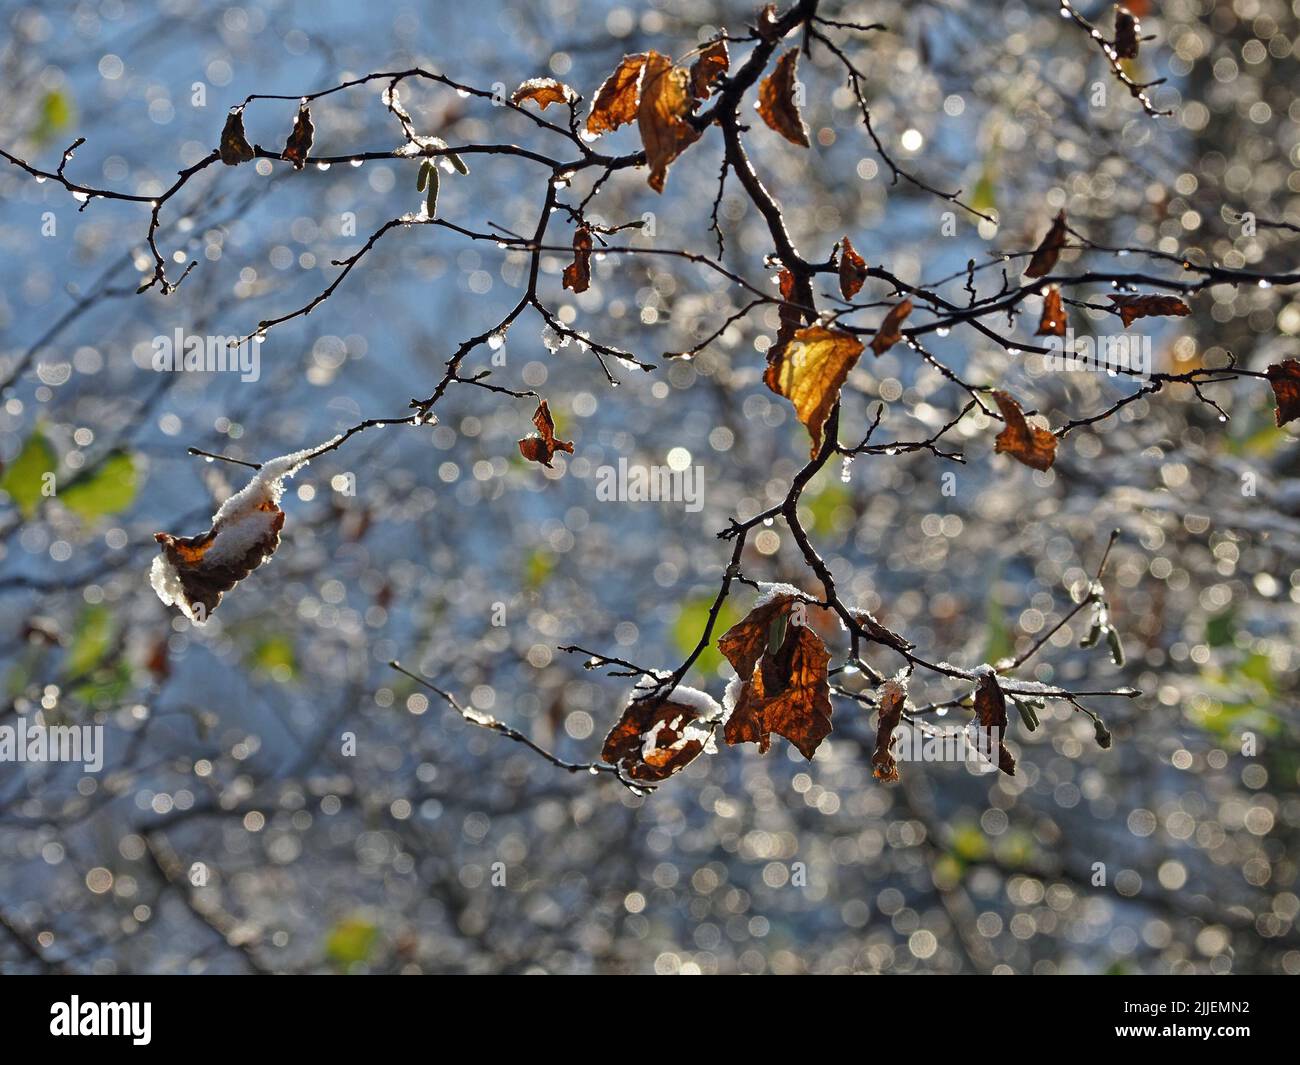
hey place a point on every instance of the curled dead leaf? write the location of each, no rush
(883, 766)
(777, 100)
(542, 448)
(543, 92)
(1285, 379)
(657, 737)
(663, 114)
(708, 67)
(194, 572)
(1026, 443)
(300, 138)
(890, 332)
(769, 23)
(1130, 308)
(852, 270)
(1127, 33)
(1049, 250)
(235, 148)
(809, 371)
(577, 275)
(1054, 320)
(781, 684)
(616, 100)
(991, 722)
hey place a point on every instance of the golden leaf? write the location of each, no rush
(776, 100)
(809, 371)
(663, 116)
(616, 99)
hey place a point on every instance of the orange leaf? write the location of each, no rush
(1046, 254)
(783, 688)
(776, 100)
(543, 92)
(711, 64)
(543, 448)
(662, 116)
(853, 270)
(991, 715)
(657, 737)
(809, 371)
(577, 275)
(1285, 379)
(891, 713)
(1024, 442)
(616, 100)
(1054, 320)
(299, 142)
(889, 332)
(1130, 308)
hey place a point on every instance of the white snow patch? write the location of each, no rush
(769, 592)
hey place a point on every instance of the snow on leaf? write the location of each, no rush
(194, 572)
(543, 92)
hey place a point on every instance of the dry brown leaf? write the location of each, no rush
(543, 92)
(543, 448)
(1046, 254)
(853, 270)
(708, 67)
(776, 100)
(809, 371)
(577, 275)
(616, 100)
(1130, 308)
(662, 116)
(235, 148)
(1054, 321)
(883, 766)
(990, 715)
(1285, 379)
(890, 332)
(299, 142)
(657, 737)
(769, 23)
(1026, 443)
(1127, 33)
(783, 689)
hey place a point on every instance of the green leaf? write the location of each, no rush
(692, 616)
(1000, 643)
(57, 113)
(23, 479)
(538, 566)
(109, 488)
(90, 640)
(350, 941)
(275, 655)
